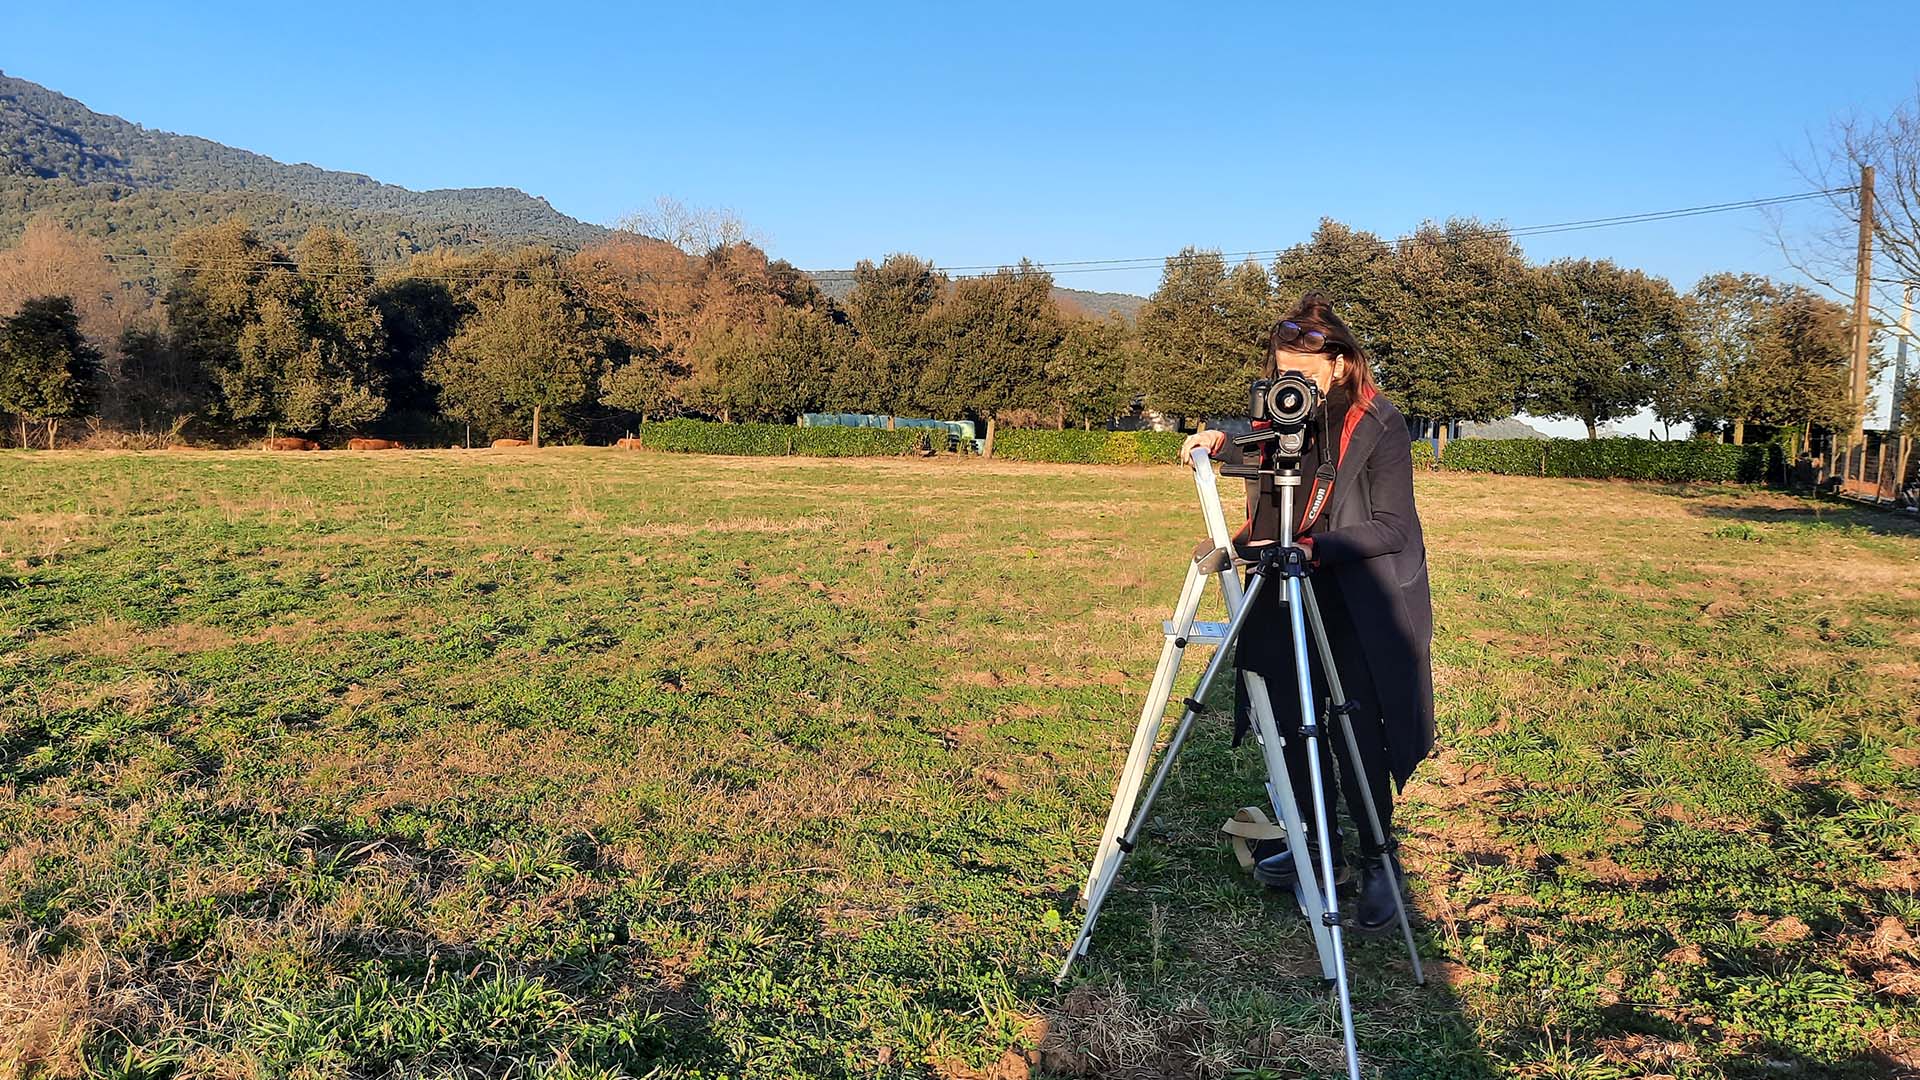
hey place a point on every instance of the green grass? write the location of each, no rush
(595, 764)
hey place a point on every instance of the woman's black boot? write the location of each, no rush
(1278, 871)
(1379, 904)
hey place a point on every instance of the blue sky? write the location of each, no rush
(981, 133)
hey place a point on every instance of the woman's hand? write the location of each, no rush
(1305, 544)
(1212, 441)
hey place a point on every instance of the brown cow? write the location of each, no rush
(292, 444)
(500, 444)
(628, 444)
(374, 444)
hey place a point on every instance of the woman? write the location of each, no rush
(1370, 574)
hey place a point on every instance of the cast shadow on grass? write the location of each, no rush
(1196, 970)
(371, 999)
(590, 1008)
(1813, 514)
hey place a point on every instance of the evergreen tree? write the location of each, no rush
(1453, 333)
(1089, 375)
(1603, 338)
(776, 374)
(210, 301)
(518, 360)
(1202, 334)
(996, 335)
(289, 343)
(48, 371)
(1728, 320)
(418, 314)
(270, 365)
(891, 306)
(1815, 336)
(344, 384)
(1356, 269)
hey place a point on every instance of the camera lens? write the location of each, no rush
(1289, 399)
(1289, 402)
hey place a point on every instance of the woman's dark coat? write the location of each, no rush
(1372, 560)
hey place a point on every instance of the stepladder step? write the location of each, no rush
(1202, 633)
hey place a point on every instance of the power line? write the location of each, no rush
(1147, 262)
(1054, 268)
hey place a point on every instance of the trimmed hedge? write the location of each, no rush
(1603, 459)
(1612, 459)
(863, 442)
(1510, 457)
(778, 440)
(1089, 447)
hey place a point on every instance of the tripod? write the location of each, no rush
(1284, 563)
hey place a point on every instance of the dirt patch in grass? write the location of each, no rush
(50, 1007)
(118, 639)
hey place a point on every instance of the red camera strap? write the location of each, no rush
(1322, 491)
(1317, 497)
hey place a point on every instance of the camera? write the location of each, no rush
(1284, 404)
(1285, 401)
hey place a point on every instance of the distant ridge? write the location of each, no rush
(112, 178)
(108, 176)
(1090, 305)
(1510, 428)
(1098, 305)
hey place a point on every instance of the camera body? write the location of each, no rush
(1285, 404)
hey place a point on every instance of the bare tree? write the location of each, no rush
(50, 259)
(695, 230)
(1825, 251)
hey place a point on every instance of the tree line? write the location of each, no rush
(1462, 326)
(243, 337)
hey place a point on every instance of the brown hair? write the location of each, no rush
(1315, 312)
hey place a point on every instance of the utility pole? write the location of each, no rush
(1895, 421)
(1862, 318)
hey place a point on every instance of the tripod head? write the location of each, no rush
(1278, 561)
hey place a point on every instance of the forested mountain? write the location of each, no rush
(135, 188)
(109, 177)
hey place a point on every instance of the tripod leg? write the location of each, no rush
(1309, 730)
(1097, 896)
(1319, 627)
(1280, 785)
(1152, 715)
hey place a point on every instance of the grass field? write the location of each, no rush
(591, 764)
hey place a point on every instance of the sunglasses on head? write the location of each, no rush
(1292, 333)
